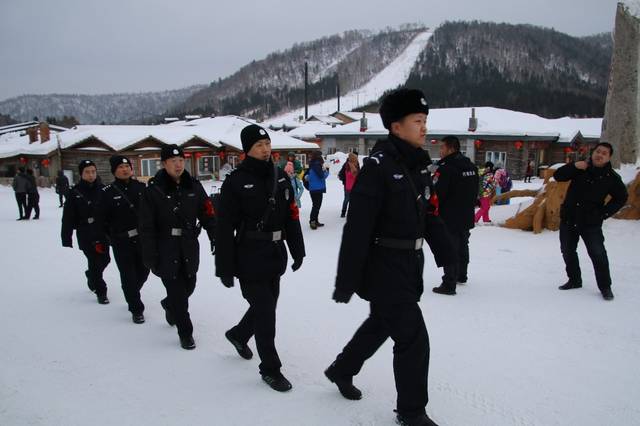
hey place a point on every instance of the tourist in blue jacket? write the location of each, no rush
(317, 177)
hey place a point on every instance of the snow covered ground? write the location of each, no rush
(509, 349)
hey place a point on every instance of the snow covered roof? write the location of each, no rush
(216, 131)
(309, 130)
(11, 128)
(326, 119)
(491, 122)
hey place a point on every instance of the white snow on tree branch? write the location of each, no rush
(633, 7)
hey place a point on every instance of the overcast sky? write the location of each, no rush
(107, 46)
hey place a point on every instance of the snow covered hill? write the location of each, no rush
(509, 349)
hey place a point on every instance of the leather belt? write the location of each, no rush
(264, 236)
(399, 244)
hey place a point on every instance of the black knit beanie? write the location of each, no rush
(400, 103)
(85, 163)
(252, 134)
(169, 151)
(116, 160)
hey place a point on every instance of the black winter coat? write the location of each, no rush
(121, 204)
(62, 184)
(165, 208)
(383, 205)
(82, 212)
(244, 201)
(456, 183)
(585, 200)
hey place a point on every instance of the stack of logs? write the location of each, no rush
(544, 212)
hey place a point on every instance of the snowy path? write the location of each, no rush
(509, 349)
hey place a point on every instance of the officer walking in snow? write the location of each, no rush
(82, 212)
(258, 213)
(121, 201)
(456, 184)
(170, 207)
(381, 257)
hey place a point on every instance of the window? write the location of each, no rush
(150, 166)
(302, 158)
(208, 166)
(497, 158)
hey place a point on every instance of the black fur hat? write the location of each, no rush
(400, 103)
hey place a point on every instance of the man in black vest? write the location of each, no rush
(381, 257)
(456, 184)
(171, 205)
(583, 212)
(121, 202)
(258, 213)
(82, 212)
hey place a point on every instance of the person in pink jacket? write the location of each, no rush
(348, 175)
(486, 192)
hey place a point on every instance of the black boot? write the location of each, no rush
(137, 318)
(570, 285)
(420, 420)
(344, 384)
(102, 299)
(92, 288)
(187, 343)
(607, 294)
(444, 290)
(277, 381)
(313, 224)
(242, 348)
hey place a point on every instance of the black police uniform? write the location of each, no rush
(456, 184)
(381, 259)
(169, 237)
(82, 212)
(250, 235)
(582, 214)
(121, 203)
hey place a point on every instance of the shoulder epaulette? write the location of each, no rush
(374, 158)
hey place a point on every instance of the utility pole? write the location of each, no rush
(338, 90)
(306, 90)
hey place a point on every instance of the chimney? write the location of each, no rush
(363, 122)
(45, 133)
(33, 134)
(473, 121)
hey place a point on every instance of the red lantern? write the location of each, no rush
(519, 144)
(198, 154)
(242, 156)
(23, 160)
(477, 143)
(45, 162)
(221, 155)
(434, 141)
(276, 156)
(568, 150)
(187, 155)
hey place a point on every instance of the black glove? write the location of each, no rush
(213, 246)
(67, 243)
(297, 263)
(227, 281)
(341, 297)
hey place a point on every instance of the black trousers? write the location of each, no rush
(133, 273)
(316, 200)
(21, 199)
(455, 272)
(594, 241)
(260, 321)
(405, 325)
(61, 198)
(33, 203)
(345, 202)
(179, 289)
(96, 264)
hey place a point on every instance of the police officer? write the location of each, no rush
(171, 205)
(121, 201)
(258, 213)
(381, 257)
(456, 184)
(82, 212)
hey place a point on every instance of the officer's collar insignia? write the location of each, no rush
(398, 177)
(249, 186)
(424, 171)
(281, 180)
